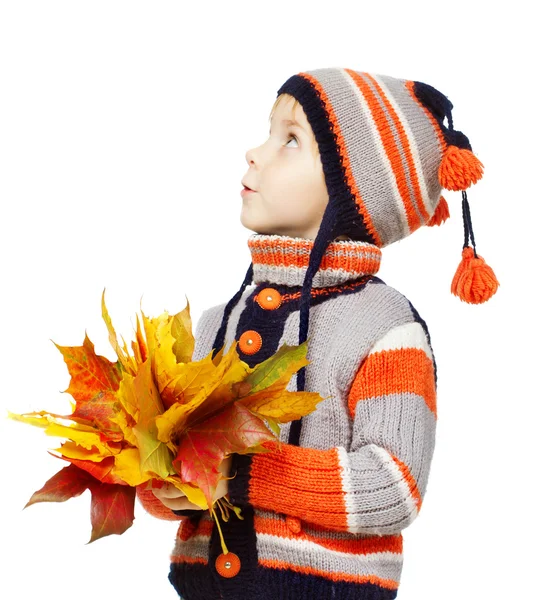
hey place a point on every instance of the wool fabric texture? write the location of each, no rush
(324, 517)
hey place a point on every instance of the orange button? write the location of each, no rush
(250, 342)
(228, 565)
(269, 298)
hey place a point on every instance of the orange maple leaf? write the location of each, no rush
(155, 415)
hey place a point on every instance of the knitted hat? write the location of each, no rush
(386, 155)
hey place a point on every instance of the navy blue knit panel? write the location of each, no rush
(201, 582)
(194, 582)
(238, 486)
(281, 584)
(189, 512)
(240, 538)
(440, 106)
(349, 220)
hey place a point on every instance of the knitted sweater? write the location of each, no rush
(322, 520)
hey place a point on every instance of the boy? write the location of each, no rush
(353, 162)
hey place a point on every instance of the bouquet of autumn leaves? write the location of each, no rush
(156, 416)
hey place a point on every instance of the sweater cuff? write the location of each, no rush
(301, 482)
(153, 505)
(239, 486)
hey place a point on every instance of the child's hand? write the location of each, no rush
(175, 499)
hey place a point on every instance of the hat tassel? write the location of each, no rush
(442, 212)
(474, 281)
(459, 168)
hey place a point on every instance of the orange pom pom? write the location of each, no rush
(468, 255)
(442, 212)
(474, 281)
(459, 169)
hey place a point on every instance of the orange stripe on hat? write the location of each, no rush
(389, 145)
(345, 160)
(406, 147)
(391, 584)
(396, 371)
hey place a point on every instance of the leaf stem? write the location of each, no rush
(232, 507)
(223, 509)
(222, 542)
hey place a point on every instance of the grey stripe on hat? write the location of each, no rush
(368, 162)
(399, 146)
(426, 146)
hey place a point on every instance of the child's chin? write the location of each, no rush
(249, 223)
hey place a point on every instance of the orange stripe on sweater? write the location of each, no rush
(389, 144)
(190, 528)
(369, 545)
(183, 558)
(302, 482)
(411, 482)
(345, 159)
(396, 371)
(390, 584)
(406, 147)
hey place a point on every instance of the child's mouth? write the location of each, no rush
(246, 191)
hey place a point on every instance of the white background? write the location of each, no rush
(124, 127)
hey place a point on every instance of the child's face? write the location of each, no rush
(286, 173)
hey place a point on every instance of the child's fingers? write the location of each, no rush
(167, 491)
(179, 503)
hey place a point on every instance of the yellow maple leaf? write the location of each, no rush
(281, 405)
(156, 415)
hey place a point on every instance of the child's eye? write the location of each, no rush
(293, 137)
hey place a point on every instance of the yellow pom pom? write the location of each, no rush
(442, 212)
(474, 281)
(459, 169)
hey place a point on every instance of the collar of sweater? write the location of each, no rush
(283, 260)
